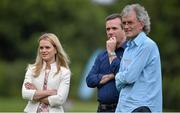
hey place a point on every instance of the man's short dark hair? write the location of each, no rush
(113, 16)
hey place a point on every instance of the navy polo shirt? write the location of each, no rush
(107, 93)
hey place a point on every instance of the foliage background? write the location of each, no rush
(80, 26)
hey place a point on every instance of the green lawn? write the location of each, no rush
(18, 104)
(11, 105)
(80, 106)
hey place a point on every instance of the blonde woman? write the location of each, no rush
(47, 81)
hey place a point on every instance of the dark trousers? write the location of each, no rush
(141, 109)
(106, 108)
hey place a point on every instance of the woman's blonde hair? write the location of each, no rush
(61, 57)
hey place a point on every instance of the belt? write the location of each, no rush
(108, 106)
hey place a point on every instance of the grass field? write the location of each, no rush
(18, 104)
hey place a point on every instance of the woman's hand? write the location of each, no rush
(29, 85)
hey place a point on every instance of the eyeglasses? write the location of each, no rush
(129, 23)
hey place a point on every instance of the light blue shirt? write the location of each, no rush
(139, 78)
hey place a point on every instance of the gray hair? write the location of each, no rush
(141, 15)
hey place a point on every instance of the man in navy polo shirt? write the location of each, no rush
(106, 65)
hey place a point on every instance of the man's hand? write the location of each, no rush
(111, 44)
(106, 78)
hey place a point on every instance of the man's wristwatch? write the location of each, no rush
(112, 54)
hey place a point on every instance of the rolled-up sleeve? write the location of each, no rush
(63, 90)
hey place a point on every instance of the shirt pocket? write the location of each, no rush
(126, 62)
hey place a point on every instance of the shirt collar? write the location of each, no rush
(52, 65)
(137, 40)
(124, 45)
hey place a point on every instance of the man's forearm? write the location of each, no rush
(107, 78)
(112, 56)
